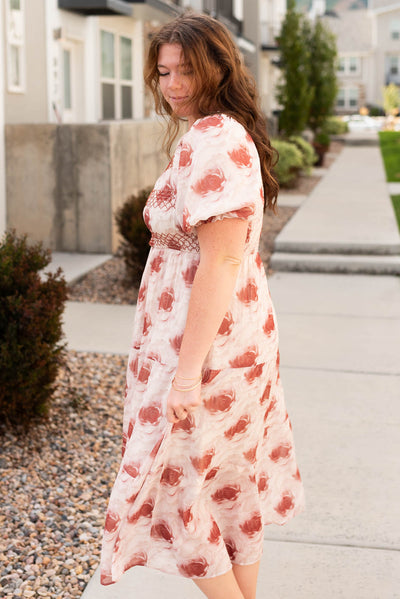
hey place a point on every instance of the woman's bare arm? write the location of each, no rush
(221, 249)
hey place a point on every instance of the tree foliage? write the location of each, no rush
(322, 75)
(293, 92)
(308, 87)
(391, 99)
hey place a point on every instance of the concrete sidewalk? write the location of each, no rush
(339, 346)
(347, 224)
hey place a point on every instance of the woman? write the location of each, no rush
(208, 455)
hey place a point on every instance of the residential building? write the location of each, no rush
(368, 43)
(80, 132)
(272, 13)
(356, 76)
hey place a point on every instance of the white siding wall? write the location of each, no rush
(92, 72)
(2, 164)
(67, 31)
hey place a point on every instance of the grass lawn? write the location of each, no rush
(390, 148)
(396, 207)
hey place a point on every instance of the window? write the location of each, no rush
(195, 4)
(116, 76)
(209, 6)
(67, 79)
(15, 45)
(126, 77)
(392, 69)
(341, 100)
(353, 97)
(394, 65)
(349, 65)
(108, 83)
(347, 98)
(342, 65)
(353, 64)
(395, 29)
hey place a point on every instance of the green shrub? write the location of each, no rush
(335, 126)
(31, 306)
(375, 110)
(307, 152)
(322, 139)
(136, 236)
(289, 164)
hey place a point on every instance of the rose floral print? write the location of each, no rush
(191, 498)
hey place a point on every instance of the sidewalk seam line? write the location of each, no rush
(322, 369)
(330, 544)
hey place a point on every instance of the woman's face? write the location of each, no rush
(176, 81)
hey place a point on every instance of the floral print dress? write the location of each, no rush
(192, 498)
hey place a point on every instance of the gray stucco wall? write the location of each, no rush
(64, 182)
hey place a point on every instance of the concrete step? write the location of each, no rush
(75, 265)
(349, 211)
(336, 263)
(362, 248)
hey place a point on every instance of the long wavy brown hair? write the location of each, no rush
(222, 84)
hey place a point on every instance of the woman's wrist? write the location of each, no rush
(188, 374)
(186, 385)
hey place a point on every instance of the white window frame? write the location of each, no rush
(347, 71)
(349, 90)
(395, 29)
(116, 80)
(346, 92)
(342, 93)
(392, 59)
(15, 39)
(341, 65)
(125, 82)
(68, 114)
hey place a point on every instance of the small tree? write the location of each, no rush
(391, 99)
(293, 92)
(322, 75)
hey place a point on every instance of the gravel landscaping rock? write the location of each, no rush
(56, 480)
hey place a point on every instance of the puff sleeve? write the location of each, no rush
(218, 173)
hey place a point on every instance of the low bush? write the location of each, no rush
(289, 164)
(31, 306)
(374, 110)
(322, 138)
(307, 152)
(136, 236)
(335, 126)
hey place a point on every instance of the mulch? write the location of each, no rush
(56, 478)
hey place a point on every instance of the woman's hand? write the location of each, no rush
(180, 403)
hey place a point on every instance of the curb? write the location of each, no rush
(336, 263)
